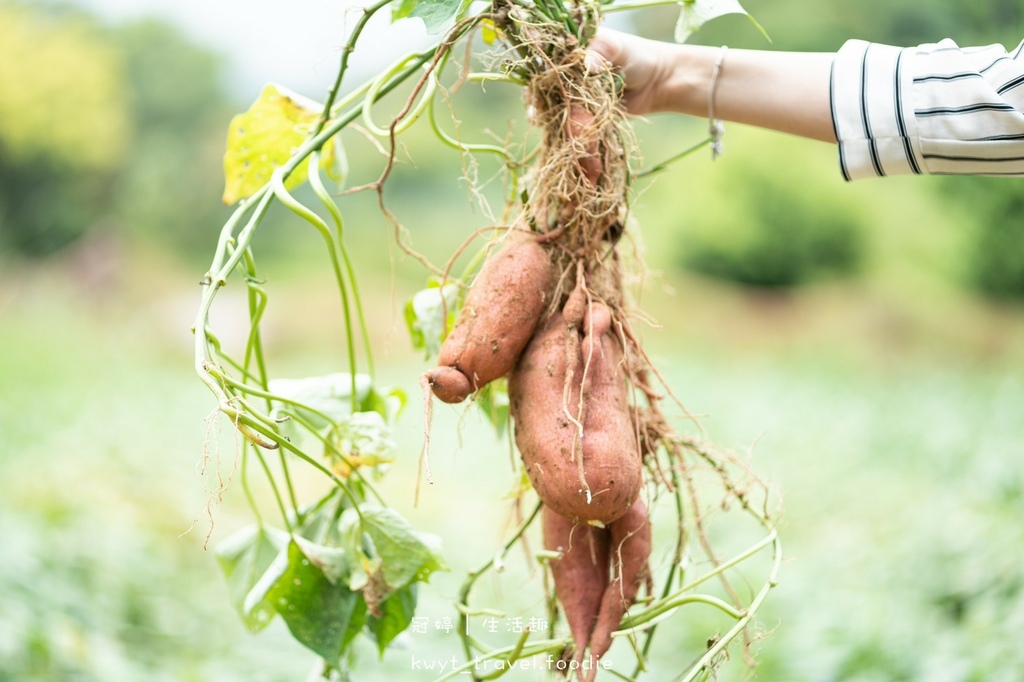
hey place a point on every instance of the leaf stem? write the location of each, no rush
(346, 53)
(544, 646)
(254, 351)
(657, 168)
(462, 604)
(339, 227)
(639, 4)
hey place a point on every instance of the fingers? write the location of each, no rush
(604, 51)
(635, 58)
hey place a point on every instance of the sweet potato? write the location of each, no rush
(547, 435)
(630, 551)
(581, 574)
(500, 314)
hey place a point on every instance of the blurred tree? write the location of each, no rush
(65, 127)
(169, 189)
(795, 25)
(759, 226)
(121, 127)
(995, 261)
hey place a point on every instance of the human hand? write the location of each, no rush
(649, 68)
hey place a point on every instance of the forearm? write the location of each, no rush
(929, 109)
(782, 91)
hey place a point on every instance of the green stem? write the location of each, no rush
(714, 651)
(651, 170)
(286, 444)
(259, 203)
(254, 351)
(657, 608)
(310, 216)
(413, 114)
(677, 559)
(564, 16)
(640, 4)
(619, 675)
(510, 659)
(346, 53)
(330, 446)
(545, 646)
(246, 489)
(771, 539)
(257, 306)
(339, 230)
(302, 421)
(273, 487)
(665, 610)
(462, 604)
(462, 146)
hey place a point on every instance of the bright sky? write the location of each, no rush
(296, 43)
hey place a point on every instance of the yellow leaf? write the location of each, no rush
(265, 137)
(488, 31)
(345, 467)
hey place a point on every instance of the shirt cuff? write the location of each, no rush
(872, 110)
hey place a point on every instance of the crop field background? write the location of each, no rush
(882, 394)
(901, 473)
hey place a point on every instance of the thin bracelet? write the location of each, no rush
(715, 127)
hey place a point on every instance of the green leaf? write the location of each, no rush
(396, 615)
(244, 558)
(330, 395)
(319, 611)
(388, 404)
(437, 15)
(265, 137)
(429, 314)
(365, 440)
(333, 562)
(492, 400)
(695, 13)
(405, 554)
(401, 9)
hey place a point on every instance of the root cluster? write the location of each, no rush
(585, 398)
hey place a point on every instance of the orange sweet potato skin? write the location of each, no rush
(630, 552)
(581, 574)
(547, 438)
(500, 314)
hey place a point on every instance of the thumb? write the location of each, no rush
(603, 51)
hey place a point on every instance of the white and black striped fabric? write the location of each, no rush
(936, 108)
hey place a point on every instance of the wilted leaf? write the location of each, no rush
(396, 615)
(265, 137)
(332, 561)
(244, 558)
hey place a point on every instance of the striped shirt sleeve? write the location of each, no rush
(935, 108)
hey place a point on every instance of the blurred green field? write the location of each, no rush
(901, 464)
(883, 395)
